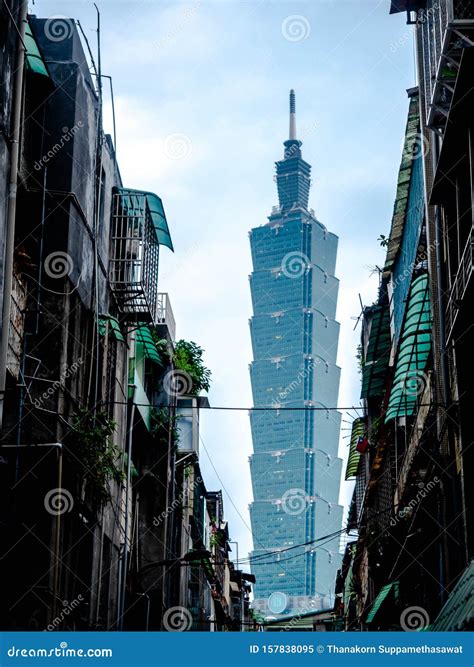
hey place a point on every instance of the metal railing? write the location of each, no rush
(460, 285)
(134, 253)
(17, 322)
(447, 27)
(164, 313)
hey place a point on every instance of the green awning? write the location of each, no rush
(114, 325)
(34, 60)
(413, 353)
(458, 611)
(378, 353)
(143, 337)
(131, 202)
(358, 430)
(381, 597)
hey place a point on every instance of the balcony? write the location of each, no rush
(461, 284)
(17, 321)
(447, 28)
(164, 314)
(138, 228)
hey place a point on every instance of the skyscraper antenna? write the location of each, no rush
(292, 115)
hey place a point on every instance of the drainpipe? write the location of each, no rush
(123, 591)
(12, 192)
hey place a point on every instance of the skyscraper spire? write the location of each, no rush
(293, 173)
(292, 115)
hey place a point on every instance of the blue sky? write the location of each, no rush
(201, 94)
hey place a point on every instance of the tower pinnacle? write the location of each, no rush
(292, 115)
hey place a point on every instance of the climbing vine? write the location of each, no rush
(92, 445)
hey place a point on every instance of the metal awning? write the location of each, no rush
(378, 353)
(397, 6)
(131, 201)
(458, 611)
(145, 339)
(114, 325)
(358, 430)
(380, 599)
(34, 60)
(413, 353)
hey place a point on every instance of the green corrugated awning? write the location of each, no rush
(358, 429)
(381, 597)
(413, 353)
(114, 325)
(458, 611)
(143, 337)
(131, 204)
(34, 60)
(378, 353)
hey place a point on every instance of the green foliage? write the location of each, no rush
(188, 358)
(383, 240)
(375, 430)
(92, 446)
(161, 423)
(161, 345)
(215, 539)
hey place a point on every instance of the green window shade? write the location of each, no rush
(131, 201)
(34, 60)
(381, 597)
(358, 430)
(143, 337)
(413, 353)
(114, 325)
(378, 353)
(458, 611)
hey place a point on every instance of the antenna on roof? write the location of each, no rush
(292, 115)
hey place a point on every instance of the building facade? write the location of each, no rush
(410, 565)
(94, 494)
(295, 382)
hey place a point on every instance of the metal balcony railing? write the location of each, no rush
(134, 254)
(460, 285)
(164, 314)
(447, 27)
(17, 322)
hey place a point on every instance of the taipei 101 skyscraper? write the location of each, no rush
(295, 467)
